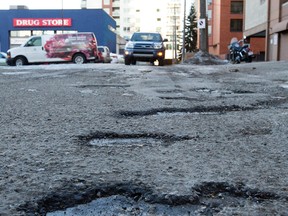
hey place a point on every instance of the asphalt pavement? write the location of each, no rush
(110, 139)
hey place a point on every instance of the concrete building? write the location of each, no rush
(267, 21)
(255, 24)
(132, 16)
(277, 30)
(163, 16)
(225, 21)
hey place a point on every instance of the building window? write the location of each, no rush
(237, 7)
(236, 25)
(262, 2)
(158, 19)
(126, 29)
(106, 2)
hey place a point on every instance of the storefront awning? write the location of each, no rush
(279, 27)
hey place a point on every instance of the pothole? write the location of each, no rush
(104, 86)
(206, 198)
(100, 139)
(196, 110)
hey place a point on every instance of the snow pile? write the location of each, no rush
(204, 58)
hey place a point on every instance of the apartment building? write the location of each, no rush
(268, 20)
(164, 16)
(277, 48)
(255, 24)
(225, 21)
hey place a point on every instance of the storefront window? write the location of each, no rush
(42, 32)
(20, 33)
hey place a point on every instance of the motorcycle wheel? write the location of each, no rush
(249, 59)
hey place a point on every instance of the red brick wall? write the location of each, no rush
(221, 35)
(257, 45)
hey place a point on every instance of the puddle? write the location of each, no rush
(86, 91)
(223, 92)
(104, 86)
(125, 141)
(101, 139)
(15, 73)
(214, 110)
(121, 205)
(207, 198)
(284, 86)
(167, 114)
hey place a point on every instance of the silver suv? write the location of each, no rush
(145, 46)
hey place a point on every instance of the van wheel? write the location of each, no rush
(19, 61)
(79, 58)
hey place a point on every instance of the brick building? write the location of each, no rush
(226, 21)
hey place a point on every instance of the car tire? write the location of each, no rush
(20, 61)
(127, 61)
(161, 62)
(79, 58)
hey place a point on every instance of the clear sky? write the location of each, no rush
(42, 4)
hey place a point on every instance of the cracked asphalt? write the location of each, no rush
(144, 140)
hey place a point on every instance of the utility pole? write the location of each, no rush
(203, 31)
(184, 27)
(175, 34)
(267, 44)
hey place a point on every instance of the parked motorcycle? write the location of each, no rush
(240, 53)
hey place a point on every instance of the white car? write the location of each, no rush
(105, 54)
(116, 58)
(3, 57)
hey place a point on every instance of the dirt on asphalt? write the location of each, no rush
(144, 140)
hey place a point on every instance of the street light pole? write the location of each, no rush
(184, 27)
